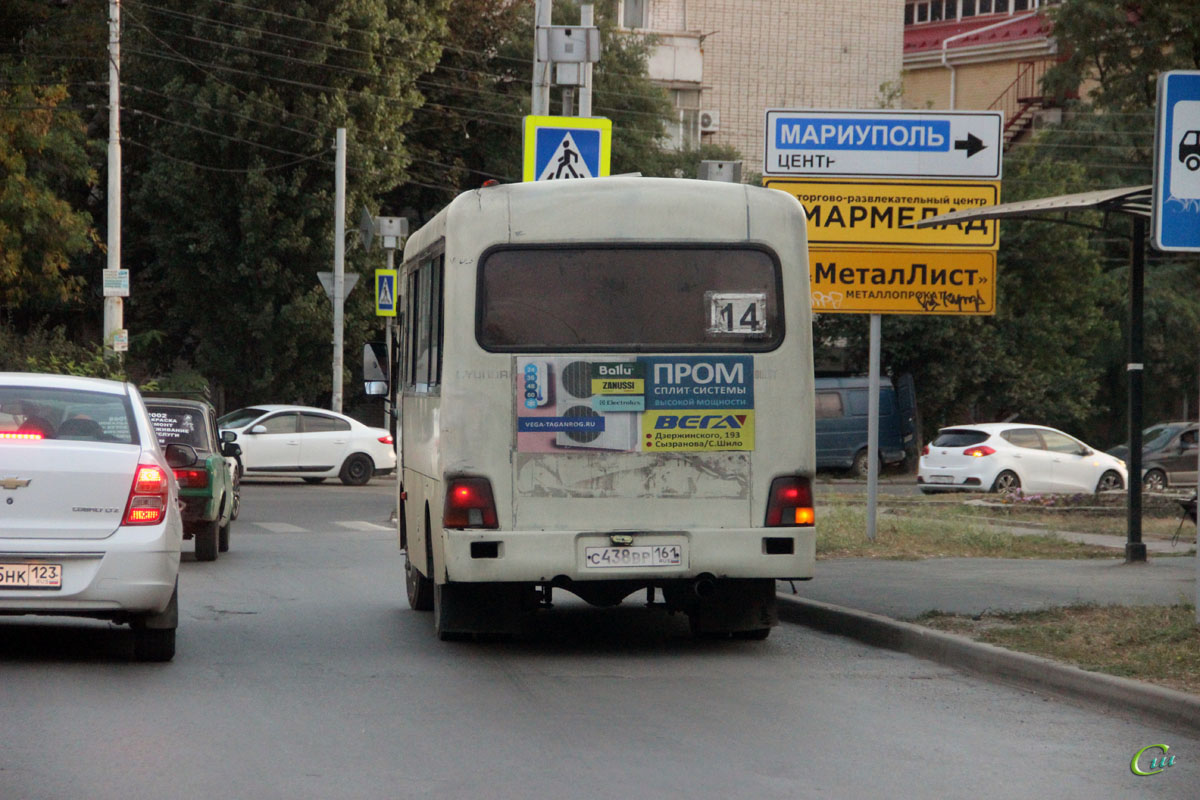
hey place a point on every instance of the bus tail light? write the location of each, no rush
(147, 497)
(790, 503)
(469, 504)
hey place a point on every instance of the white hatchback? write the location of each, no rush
(310, 443)
(89, 516)
(1007, 456)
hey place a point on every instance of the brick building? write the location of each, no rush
(726, 61)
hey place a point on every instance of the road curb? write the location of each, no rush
(1169, 707)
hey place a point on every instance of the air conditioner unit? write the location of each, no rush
(573, 398)
(710, 121)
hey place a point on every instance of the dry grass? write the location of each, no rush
(1158, 644)
(841, 533)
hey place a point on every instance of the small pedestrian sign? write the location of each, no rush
(385, 292)
(562, 148)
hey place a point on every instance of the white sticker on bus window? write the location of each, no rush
(739, 313)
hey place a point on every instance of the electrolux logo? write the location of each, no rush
(1157, 763)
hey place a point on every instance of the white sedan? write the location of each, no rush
(89, 514)
(1009, 456)
(311, 443)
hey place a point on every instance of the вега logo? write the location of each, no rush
(707, 422)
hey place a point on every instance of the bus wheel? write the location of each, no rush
(420, 588)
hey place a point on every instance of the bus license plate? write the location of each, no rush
(654, 555)
(30, 576)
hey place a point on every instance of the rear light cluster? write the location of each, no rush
(790, 503)
(192, 478)
(978, 451)
(147, 497)
(386, 440)
(15, 435)
(469, 504)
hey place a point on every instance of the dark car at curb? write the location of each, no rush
(1169, 453)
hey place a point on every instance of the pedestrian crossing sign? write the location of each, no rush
(557, 148)
(385, 292)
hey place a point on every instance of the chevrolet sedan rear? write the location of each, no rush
(89, 517)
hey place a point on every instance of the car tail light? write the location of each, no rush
(16, 435)
(790, 503)
(469, 504)
(147, 497)
(978, 451)
(192, 478)
(386, 439)
(925, 450)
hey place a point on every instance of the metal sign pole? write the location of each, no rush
(873, 428)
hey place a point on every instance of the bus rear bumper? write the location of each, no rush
(477, 556)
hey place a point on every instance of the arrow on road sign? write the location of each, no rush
(972, 144)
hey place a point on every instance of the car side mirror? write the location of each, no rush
(180, 455)
(228, 436)
(258, 429)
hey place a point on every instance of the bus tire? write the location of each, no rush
(419, 588)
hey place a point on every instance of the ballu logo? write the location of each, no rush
(1157, 763)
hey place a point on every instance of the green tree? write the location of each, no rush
(43, 164)
(231, 123)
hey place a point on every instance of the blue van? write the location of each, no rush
(842, 422)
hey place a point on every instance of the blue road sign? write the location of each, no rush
(557, 148)
(1175, 214)
(385, 292)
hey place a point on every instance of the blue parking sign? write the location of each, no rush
(1175, 213)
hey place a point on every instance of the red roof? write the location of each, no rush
(925, 37)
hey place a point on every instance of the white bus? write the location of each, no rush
(606, 386)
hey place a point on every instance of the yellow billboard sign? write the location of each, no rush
(880, 213)
(958, 283)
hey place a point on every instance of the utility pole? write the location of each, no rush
(339, 264)
(114, 309)
(587, 19)
(540, 100)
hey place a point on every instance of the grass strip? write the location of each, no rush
(1159, 644)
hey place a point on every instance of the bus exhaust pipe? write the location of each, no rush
(704, 588)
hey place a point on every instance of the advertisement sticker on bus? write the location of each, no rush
(635, 404)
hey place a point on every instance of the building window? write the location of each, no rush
(921, 11)
(633, 13)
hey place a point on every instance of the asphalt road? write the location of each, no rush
(301, 673)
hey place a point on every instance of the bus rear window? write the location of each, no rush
(612, 298)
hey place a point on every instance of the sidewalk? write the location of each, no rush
(868, 599)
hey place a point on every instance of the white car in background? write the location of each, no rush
(1007, 456)
(90, 523)
(280, 441)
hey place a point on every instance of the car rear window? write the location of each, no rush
(959, 438)
(179, 425)
(67, 414)
(629, 299)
